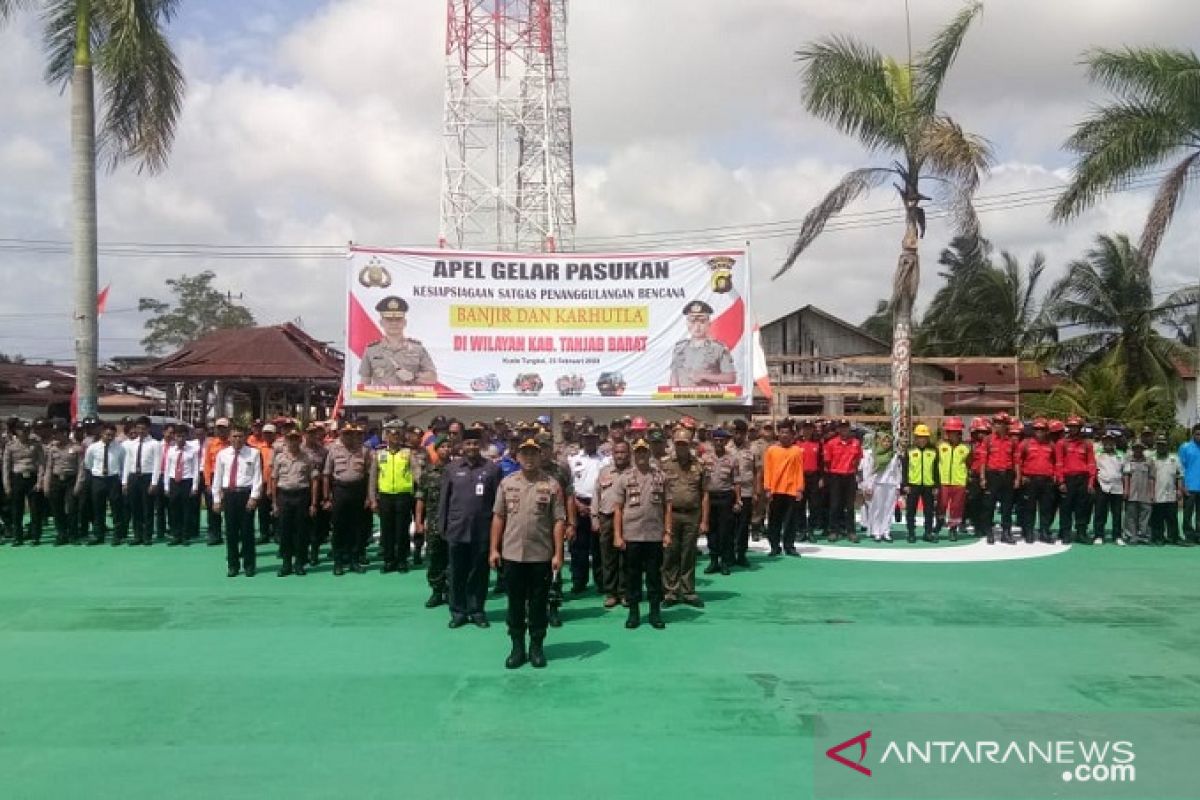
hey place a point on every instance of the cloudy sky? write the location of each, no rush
(315, 123)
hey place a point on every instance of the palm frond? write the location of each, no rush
(1114, 144)
(961, 158)
(8, 8)
(1170, 192)
(58, 38)
(845, 84)
(142, 82)
(852, 186)
(1167, 76)
(934, 64)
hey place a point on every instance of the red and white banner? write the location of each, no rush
(553, 329)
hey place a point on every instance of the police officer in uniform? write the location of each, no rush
(604, 498)
(314, 447)
(391, 492)
(700, 360)
(565, 481)
(63, 457)
(723, 486)
(528, 519)
(23, 461)
(686, 479)
(749, 483)
(345, 491)
(293, 502)
(396, 359)
(428, 513)
(641, 529)
(468, 495)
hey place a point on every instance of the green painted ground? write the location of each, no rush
(147, 673)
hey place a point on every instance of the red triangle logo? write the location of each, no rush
(835, 753)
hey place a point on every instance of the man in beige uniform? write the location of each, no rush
(294, 502)
(395, 359)
(345, 492)
(686, 478)
(724, 501)
(604, 501)
(642, 528)
(749, 478)
(528, 519)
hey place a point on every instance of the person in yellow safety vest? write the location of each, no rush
(954, 468)
(390, 493)
(921, 482)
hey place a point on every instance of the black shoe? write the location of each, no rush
(359, 567)
(458, 620)
(712, 568)
(233, 572)
(517, 657)
(250, 572)
(402, 566)
(742, 561)
(553, 620)
(669, 601)
(775, 553)
(656, 620)
(929, 538)
(284, 571)
(213, 542)
(912, 538)
(174, 543)
(436, 599)
(954, 534)
(480, 620)
(1007, 538)
(95, 540)
(115, 542)
(578, 588)
(791, 551)
(693, 600)
(853, 538)
(833, 537)
(417, 562)
(299, 568)
(724, 568)
(314, 558)
(339, 570)
(635, 617)
(59, 542)
(991, 538)
(537, 656)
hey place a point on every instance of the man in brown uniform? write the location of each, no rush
(345, 492)
(689, 515)
(604, 501)
(527, 533)
(749, 480)
(23, 461)
(725, 502)
(293, 502)
(63, 458)
(314, 448)
(758, 446)
(642, 528)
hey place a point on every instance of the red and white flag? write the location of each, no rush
(762, 377)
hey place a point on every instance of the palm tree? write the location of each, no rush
(1154, 119)
(879, 324)
(141, 87)
(1111, 295)
(1100, 392)
(892, 108)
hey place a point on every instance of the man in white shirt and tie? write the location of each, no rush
(100, 477)
(181, 483)
(237, 487)
(143, 459)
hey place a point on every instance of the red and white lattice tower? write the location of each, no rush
(508, 175)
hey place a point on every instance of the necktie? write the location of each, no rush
(104, 469)
(178, 464)
(138, 468)
(233, 468)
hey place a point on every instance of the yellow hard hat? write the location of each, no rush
(921, 430)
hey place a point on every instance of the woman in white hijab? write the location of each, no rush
(881, 480)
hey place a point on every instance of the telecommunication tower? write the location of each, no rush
(508, 175)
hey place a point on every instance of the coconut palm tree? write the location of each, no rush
(1100, 392)
(879, 324)
(122, 43)
(892, 108)
(1154, 120)
(1111, 295)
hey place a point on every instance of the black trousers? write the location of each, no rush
(811, 509)
(239, 530)
(20, 495)
(1107, 503)
(643, 560)
(924, 496)
(582, 548)
(395, 519)
(721, 528)
(349, 501)
(528, 597)
(266, 518)
(212, 518)
(1191, 512)
(437, 561)
(294, 524)
(467, 575)
(1038, 512)
(741, 525)
(999, 492)
(141, 507)
(1076, 507)
(106, 494)
(1164, 522)
(319, 533)
(64, 509)
(183, 510)
(161, 504)
(612, 572)
(779, 508)
(841, 502)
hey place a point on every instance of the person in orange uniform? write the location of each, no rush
(1076, 461)
(842, 455)
(212, 446)
(264, 443)
(1036, 475)
(783, 483)
(997, 477)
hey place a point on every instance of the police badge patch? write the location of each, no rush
(375, 275)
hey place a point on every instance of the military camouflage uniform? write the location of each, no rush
(429, 492)
(690, 358)
(405, 362)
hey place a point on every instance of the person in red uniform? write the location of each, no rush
(1076, 481)
(1036, 474)
(997, 477)
(976, 497)
(842, 454)
(808, 510)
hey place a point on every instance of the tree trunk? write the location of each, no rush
(904, 293)
(83, 186)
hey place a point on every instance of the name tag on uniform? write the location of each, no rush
(479, 490)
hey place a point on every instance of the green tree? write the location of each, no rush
(1111, 296)
(1154, 119)
(879, 324)
(122, 43)
(198, 309)
(891, 107)
(1100, 392)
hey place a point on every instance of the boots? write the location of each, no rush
(635, 617)
(517, 657)
(285, 568)
(713, 567)
(537, 657)
(656, 620)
